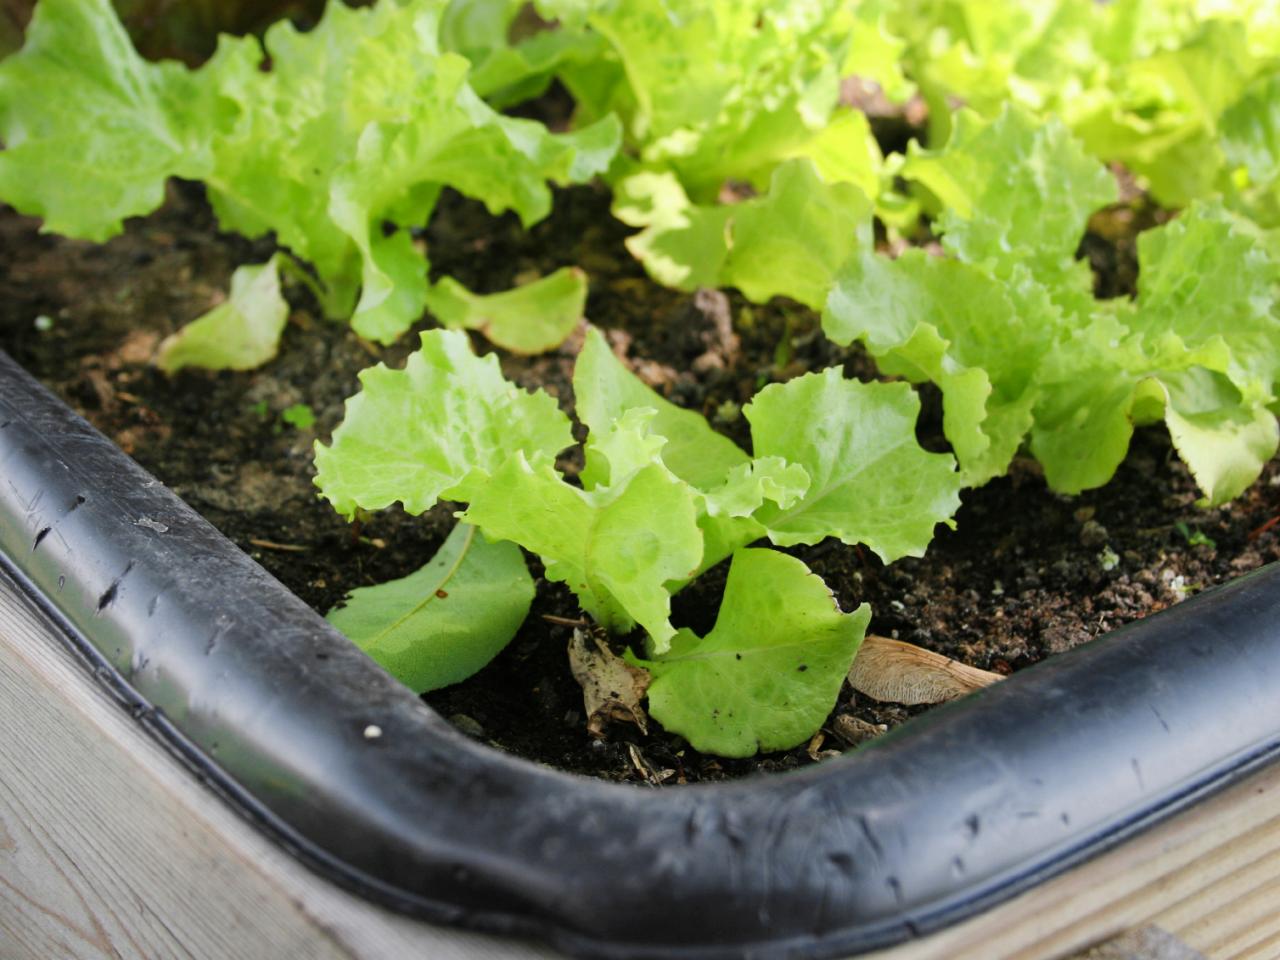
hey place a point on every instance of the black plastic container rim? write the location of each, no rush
(956, 811)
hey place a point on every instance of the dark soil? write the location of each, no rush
(1027, 574)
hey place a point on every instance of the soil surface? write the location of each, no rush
(1027, 574)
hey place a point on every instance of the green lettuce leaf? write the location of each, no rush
(436, 429)
(870, 481)
(239, 334)
(605, 391)
(1013, 191)
(1141, 82)
(529, 319)
(769, 672)
(1198, 348)
(447, 620)
(714, 90)
(733, 94)
(615, 547)
(949, 322)
(788, 242)
(1251, 145)
(92, 131)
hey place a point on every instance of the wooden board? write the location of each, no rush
(110, 849)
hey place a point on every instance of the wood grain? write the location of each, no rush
(1206, 876)
(110, 849)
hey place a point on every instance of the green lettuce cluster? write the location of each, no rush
(744, 96)
(337, 141)
(1146, 83)
(661, 498)
(1008, 326)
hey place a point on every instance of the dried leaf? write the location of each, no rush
(611, 688)
(854, 730)
(895, 672)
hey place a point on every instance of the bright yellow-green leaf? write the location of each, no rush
(239, 334)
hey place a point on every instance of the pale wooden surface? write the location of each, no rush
(1208, 877)
(109, 849)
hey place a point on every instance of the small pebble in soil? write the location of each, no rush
(372, 732)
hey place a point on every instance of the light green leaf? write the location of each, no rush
(616, 548)
(239, 334)
(1223, 442)
(1204, 277)
(436, 429)
(92, 131)
(446, 621)
(870, 481)
(749, 485)
(528, 319)
(769, 672)
(1251, 131)
(952, 323)
(791, 241)
(1198, 348)
(788, 242)
(620, 449)
(605, 390)
(1015, 190)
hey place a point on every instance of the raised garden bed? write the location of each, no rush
(918, 835)
(1065, 760)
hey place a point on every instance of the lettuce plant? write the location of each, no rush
(338, 141)
(1142, 82)
(661, 498)
(1008, 327)
(744, 95)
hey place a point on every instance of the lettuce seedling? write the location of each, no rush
(662, 498)
(338, 141)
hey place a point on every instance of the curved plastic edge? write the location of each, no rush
(954, 812)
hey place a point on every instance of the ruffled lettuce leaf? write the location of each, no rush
(1013, 191)
(512, 58)
(789, 242)
(434, 430)
(527, 319)
(241, 333)
(832, 458)
(769, 672)
(92, 131)
(945, 321)
(870, 481)
(1199, 348)
(616, 547)
(714, 91)
(447, 620)
(1141, 82)
(605, 390)
(1251, 144)
(1009, 330)
(734, 95)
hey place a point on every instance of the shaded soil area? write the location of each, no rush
(1026, 574)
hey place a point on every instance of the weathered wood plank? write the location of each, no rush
(1158, 878)
(109, 849)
